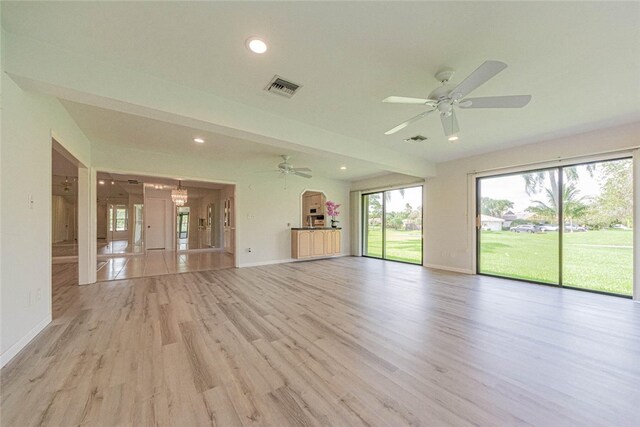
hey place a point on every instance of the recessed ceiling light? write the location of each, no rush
(344, 168)
(256, 45)
(198, 140)
(113, 182)
(101, 182)
(453, 138)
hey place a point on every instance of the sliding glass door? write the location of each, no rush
(597, 244)
(514, 241)
(392, 224)
(568, 226)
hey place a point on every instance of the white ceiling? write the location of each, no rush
(114, 128)
(579, 60)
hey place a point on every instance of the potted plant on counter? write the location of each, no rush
(332, 211)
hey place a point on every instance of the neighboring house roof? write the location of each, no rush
(509, 216)
(487, 218)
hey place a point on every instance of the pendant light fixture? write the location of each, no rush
(179, 195)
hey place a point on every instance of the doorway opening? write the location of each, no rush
(146, 226)
(65, 224)
(392, 225)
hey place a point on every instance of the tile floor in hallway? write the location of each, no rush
(159, 262)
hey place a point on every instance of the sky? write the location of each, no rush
(397, 203)
(512, 187)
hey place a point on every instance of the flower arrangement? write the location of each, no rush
(332, 211)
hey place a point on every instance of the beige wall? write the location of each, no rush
(28, 122)
(265, 210)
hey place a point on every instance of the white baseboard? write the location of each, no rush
(22, 343)
(270, 262)
(284, 261)
(446, 268)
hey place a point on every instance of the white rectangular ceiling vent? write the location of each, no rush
(282, 87)
(417, 138)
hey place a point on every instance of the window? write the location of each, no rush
(118, 218)
(568, 226)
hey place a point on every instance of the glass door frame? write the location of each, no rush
(561, 225)
(365, 224)
(384, 222)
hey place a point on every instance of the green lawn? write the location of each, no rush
(401, 245)
(598, 259)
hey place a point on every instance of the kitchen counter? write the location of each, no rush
(316, 228)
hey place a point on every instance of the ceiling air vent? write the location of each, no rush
(282, 87)
(417, 138)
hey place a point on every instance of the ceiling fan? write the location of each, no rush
(285, 168)
(448, 96)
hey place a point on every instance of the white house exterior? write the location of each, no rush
(491, 223)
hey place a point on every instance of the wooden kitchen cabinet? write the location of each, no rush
(314, 243)
(317, 242)
(335, 242)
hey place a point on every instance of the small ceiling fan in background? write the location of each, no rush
(286, 168)
(448, 96)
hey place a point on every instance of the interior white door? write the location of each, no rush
(155, 212)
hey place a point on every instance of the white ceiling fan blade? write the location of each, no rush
(407, 123)
(450, 124)
(406, 100)
(482, 74)
(513, 101)
(302, 169)
(304, 175)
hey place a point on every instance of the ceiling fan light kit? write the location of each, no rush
(447, 97)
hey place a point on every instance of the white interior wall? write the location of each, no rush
(449, 235)
(264, 209)
(28, 123)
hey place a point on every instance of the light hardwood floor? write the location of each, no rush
(346, 342)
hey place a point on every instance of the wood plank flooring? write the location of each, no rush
(344, 342)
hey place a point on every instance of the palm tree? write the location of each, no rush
(573, 206)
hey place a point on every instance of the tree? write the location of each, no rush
(375, 206)
(614, 205)
(535, 182)
(574, 207)
(494, 207)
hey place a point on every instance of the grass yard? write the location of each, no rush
(401, 245)
(598, 260)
